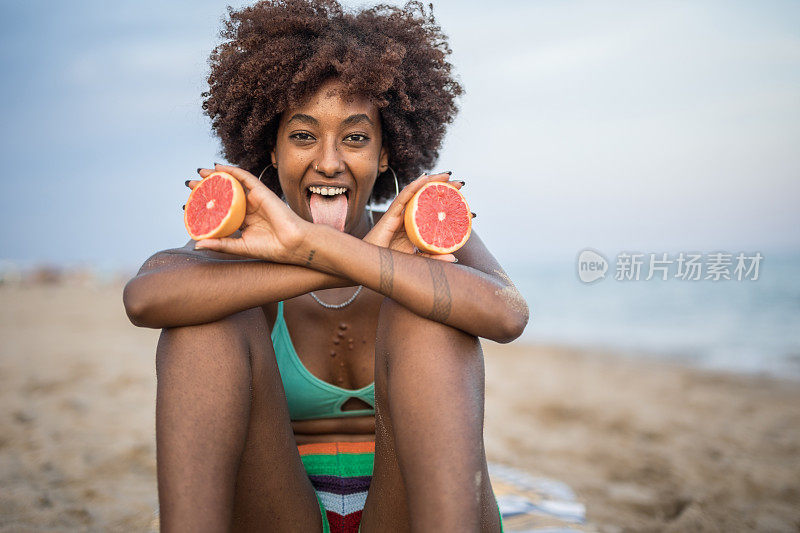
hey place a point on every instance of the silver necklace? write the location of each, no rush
(337, 306)
(358, 290)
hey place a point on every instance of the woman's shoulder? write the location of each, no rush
(184, 256)
(187, 252)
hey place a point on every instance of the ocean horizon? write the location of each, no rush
(748, 326)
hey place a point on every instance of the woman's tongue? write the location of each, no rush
(330, 210)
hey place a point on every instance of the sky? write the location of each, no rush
(650, 126)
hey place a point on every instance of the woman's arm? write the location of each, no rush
(478, 299)
(183, 287)
(481, 303)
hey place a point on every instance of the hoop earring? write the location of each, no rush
(396, 191)
(265, 169)
(283, 196)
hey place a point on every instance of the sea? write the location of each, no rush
(738, 325)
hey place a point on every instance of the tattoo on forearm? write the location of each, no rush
(387, 272)
(310, 257)
(441, 292)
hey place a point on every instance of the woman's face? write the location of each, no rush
(329, 153)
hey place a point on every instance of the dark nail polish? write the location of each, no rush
(462, 182)
(183, 207)
(215, 163)
(198, 170)
(186, 182)
(474, 214)
(449, 172)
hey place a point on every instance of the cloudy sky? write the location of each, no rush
(651, 126)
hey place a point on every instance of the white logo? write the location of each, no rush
(690, 266)
(591, 266)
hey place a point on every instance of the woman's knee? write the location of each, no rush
(225, 341)
(400, 330)
(395, 317)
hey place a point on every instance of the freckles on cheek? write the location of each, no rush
(367, 165)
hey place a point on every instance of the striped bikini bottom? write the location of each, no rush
(340, 473)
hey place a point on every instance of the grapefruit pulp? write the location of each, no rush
(438, 219)
(215, 208)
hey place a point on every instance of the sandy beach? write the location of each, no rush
(647, 446)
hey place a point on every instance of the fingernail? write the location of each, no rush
(462, 182)
(449, 172)
(183, 207)
(456, 261)
(186, 182)
(198, 170)
(474, 214)
(215, 163)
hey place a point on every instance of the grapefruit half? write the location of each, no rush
(438, 219)
(215, 208)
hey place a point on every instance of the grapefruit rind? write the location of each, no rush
(413, 231)
(232, 220)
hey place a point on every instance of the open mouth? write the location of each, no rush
(328, 205)
(326, 191)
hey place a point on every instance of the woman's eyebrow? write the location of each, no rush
(355, 119)
(300, 117)
(349, 121)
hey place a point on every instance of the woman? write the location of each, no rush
(314, 364)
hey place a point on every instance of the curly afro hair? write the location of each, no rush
(277, 53)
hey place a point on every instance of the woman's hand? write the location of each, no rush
(271, 230)
(390, 231)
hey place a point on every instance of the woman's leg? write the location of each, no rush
(430, 469)
(226, 454)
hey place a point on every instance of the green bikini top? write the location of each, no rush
(307, 395)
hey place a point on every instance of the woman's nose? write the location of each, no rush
(330, 161)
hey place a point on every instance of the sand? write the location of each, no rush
(647, 446)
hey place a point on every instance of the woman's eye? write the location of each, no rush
(357, 137)
(301, 136)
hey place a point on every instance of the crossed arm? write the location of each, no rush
(184, 287)
(474, 295)
(188, 286)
